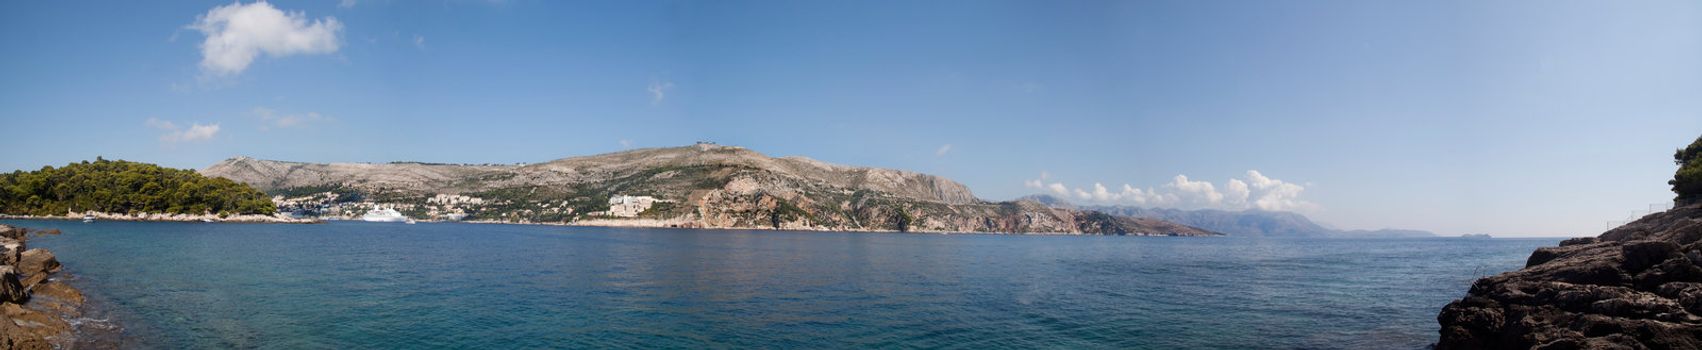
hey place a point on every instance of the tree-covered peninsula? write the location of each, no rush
(117, 186)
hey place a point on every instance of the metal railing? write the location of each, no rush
(1637, 214)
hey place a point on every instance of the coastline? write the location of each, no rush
(1636, 286)
(42, 312)
(665, 224)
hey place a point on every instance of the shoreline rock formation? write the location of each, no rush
(1638, 286)
(699, 186)
(37, 308)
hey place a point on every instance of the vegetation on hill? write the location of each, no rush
(125, 187)
(1687, 182)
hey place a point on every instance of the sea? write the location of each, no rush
(356, 285)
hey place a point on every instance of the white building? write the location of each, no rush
(629, 206)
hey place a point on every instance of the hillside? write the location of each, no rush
(1254, 223)
(703, 185)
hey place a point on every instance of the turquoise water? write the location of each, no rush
(360, 285)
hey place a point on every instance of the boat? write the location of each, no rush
(88, 218)
(383, 215)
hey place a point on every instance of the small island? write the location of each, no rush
(122, 190)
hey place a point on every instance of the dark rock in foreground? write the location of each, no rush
(1638, 286)
(11, 290)
(36, 265)
(34, 309)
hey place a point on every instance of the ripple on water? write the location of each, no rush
(357, 285)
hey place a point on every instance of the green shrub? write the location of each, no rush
(1687, 181)
(125, 187)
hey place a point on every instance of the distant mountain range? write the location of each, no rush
(1256, 223)
(704, 185)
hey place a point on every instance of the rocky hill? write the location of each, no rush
(1638, 286)
(1252, 223)
(703, 185)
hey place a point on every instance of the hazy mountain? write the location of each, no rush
(1235, 223)
(704, 185)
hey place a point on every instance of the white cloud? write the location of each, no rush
(161, 124)
(419, 41)
(270, 118)
(238, 33)
(1256, 191)
(626, 144)
(346, 3)
(1276, 194)
(659, 91)
(943, 150)
(175, 134)
(1199, 193)
(1057, 188)
(1235, 192)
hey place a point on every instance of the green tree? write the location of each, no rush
(125, 187)
(1687, 181)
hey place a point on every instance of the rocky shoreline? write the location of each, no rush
(38, 308)
(1638, 286)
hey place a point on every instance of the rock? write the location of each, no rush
(13, 336)
(57, 298)
(36, 311)
(36, 323)
(11, 290)
(1635, 287)
(14, 233)
(36, 265)
(1577, 241)
(10, 251)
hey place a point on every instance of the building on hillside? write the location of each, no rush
(629, 206)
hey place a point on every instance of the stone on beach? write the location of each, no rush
(11, 251)
(36, 310)
(11, 290)
(36, 265)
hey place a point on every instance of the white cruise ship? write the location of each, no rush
(383, 215)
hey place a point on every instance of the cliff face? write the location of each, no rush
(703, 186)
(1638, 286)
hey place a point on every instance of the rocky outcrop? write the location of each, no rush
(37, 264)
(11, 289)
(11, 250)
(1638, 286)
(704, 186)
(35, 310)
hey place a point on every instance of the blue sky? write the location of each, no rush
(1509, 117)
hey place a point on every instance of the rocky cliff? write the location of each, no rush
(704, 185)
(1638, 286)
(37, 309)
